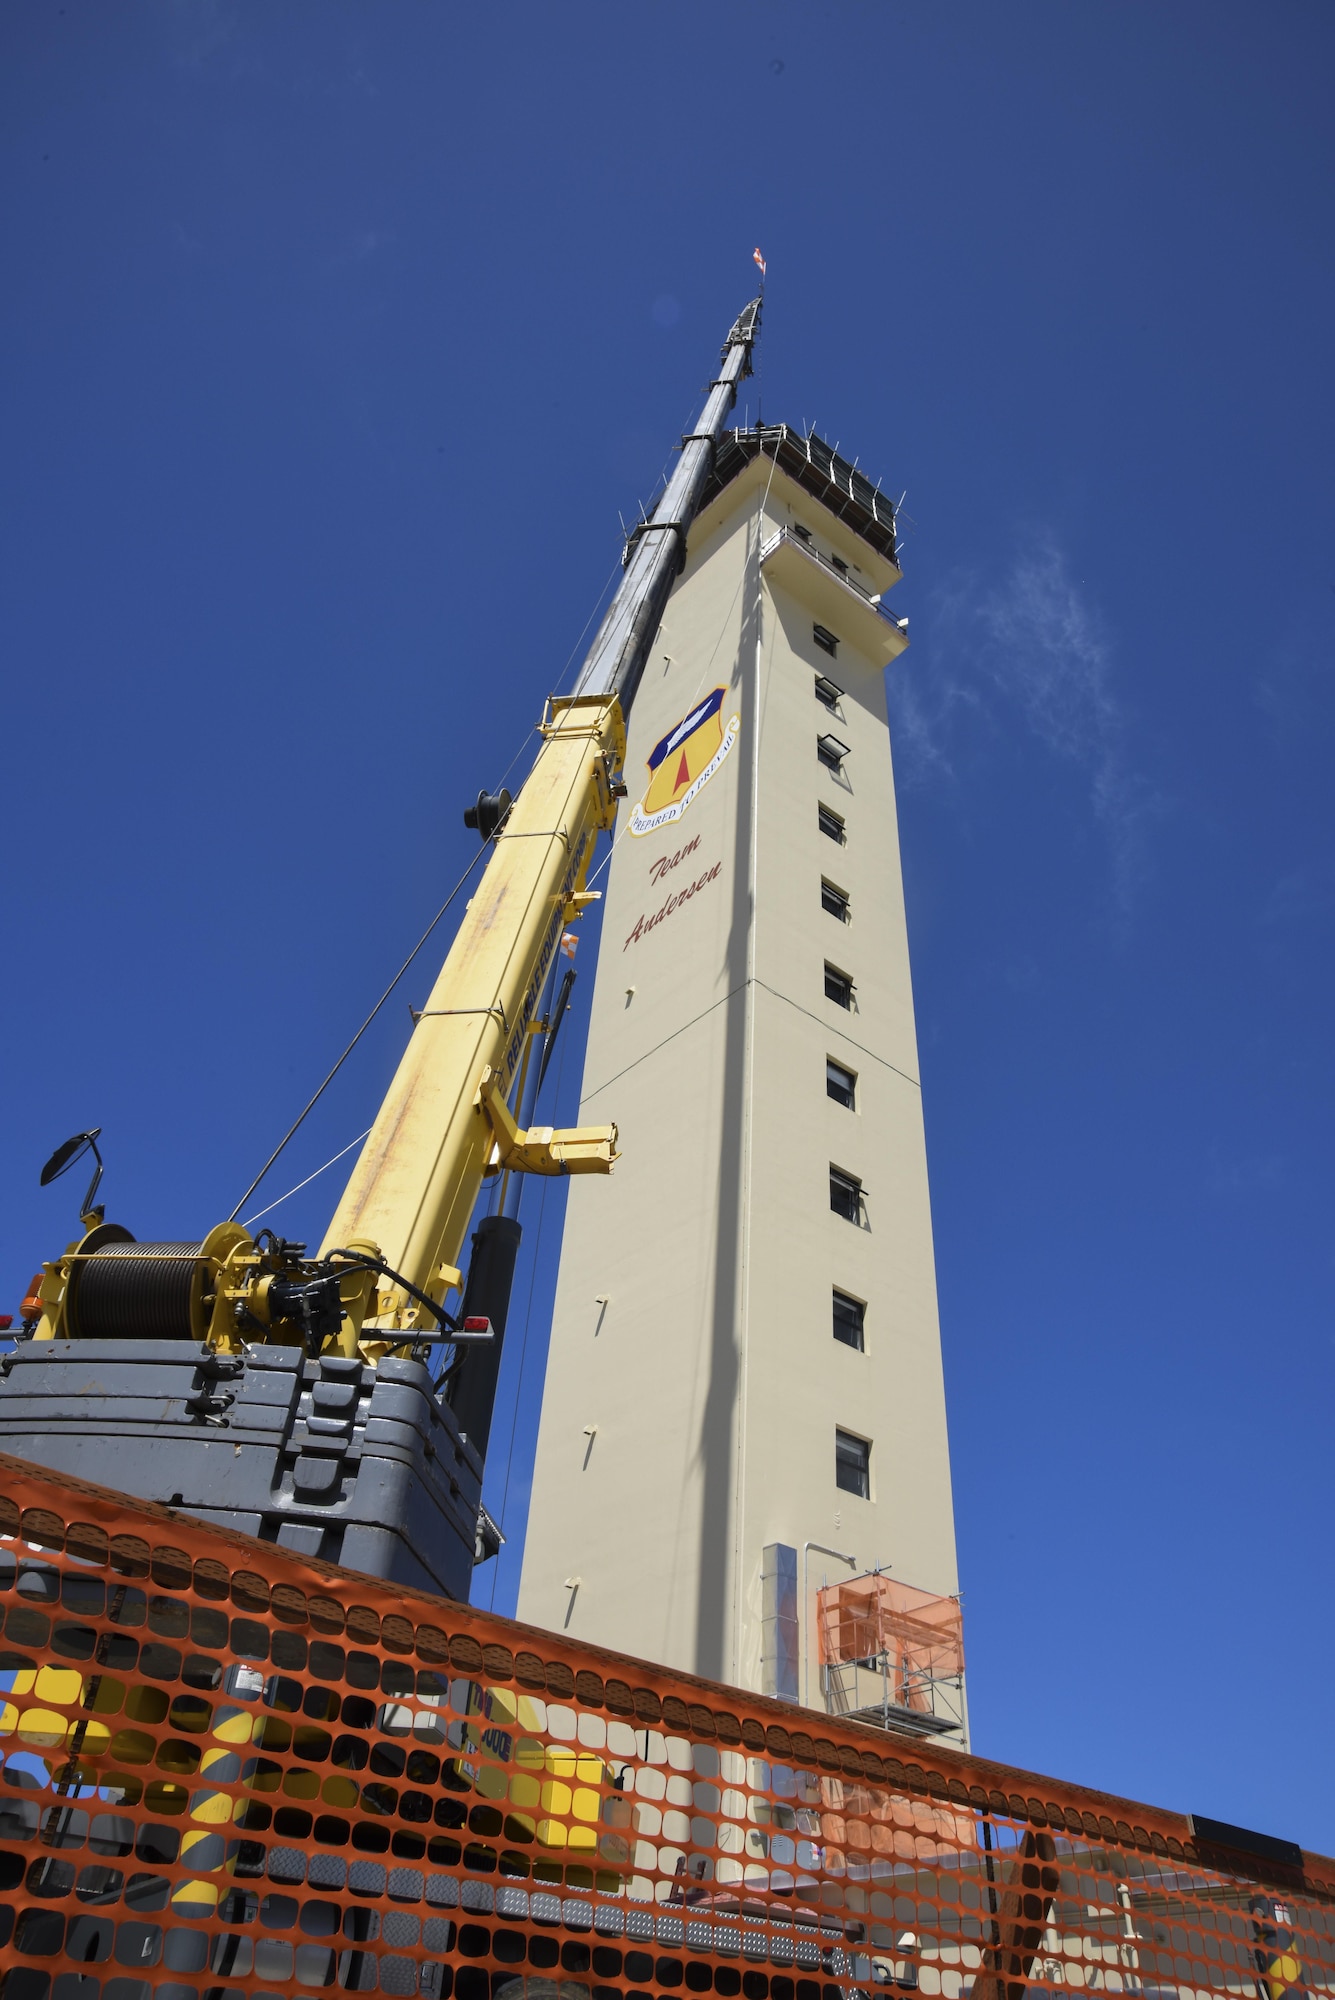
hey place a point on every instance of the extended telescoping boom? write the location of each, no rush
(289, 1359)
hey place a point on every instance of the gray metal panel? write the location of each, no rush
(286, 1448)
(655, 556)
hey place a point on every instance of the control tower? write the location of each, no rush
(744, 1398)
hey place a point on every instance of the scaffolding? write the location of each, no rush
(892, 1655)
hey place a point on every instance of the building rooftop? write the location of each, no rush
(808, 460)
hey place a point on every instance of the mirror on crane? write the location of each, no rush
(64, 1158)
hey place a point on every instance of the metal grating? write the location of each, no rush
(847, 493)
(230, 1771)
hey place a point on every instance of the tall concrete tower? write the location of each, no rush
(744, 1394)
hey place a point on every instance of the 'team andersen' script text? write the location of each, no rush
(660, 868)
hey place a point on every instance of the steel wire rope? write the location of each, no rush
(597, 606)
(296, 1126)
(261, 1212)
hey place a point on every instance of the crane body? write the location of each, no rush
(296, 1398)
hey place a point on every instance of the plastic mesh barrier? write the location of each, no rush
(229, 1771)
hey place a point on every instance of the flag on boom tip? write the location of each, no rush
(756, 258)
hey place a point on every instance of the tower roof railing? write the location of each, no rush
(819, 469)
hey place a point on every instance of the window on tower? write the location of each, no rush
(825, 639)
(852, 1464)
(829, 692)
(834, 901)
(831, 752)
(849, 1319)
(803, 534)
(837, 562)
(840, 1084)
(831, 825)
(846, 1193)
(838, 987)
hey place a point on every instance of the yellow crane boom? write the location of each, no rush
(445, 1116)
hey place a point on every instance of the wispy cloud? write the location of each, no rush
(1031, 649)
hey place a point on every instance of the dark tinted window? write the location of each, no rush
(840, 1084)
(834, 901)
(852, 1464)
(838, 987)
(845, 1195)
(830, 824)
(849, 1315)
(825, 639)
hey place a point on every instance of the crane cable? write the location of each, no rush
(261, 1212)
(295, 1127)
(298, 1122)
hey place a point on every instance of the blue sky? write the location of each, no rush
(334, 339)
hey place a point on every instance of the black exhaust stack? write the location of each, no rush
(491, 1273)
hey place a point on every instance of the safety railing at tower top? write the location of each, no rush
(892, 1654)
(785, 537)
(229, 1770)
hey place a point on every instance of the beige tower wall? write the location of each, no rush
(694, 1386)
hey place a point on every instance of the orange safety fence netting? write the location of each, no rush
(230, 1770)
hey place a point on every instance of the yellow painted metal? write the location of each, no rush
(415, 1182)
(227, 1266)
(544, 1149)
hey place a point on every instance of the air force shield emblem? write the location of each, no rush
(682, 763)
